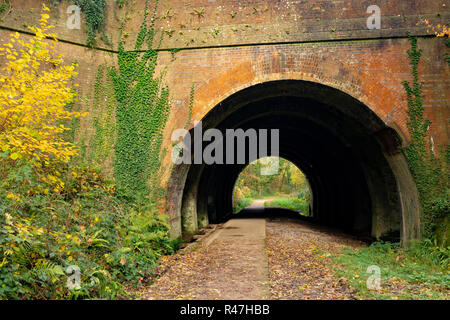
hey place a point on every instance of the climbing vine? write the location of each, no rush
(4, 6)
(430, 172)
(141, 115)
(95, 17)
(95, 12)
(102, 109)
(191, 105)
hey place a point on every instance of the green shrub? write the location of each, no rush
(241, 204)
(440, 213)
(304, 195)
(87, 225)
(296, 204)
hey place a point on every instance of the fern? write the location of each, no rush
(47, 270)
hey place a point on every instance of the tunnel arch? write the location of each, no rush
(357, 173)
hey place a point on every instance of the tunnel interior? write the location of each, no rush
(333, 138)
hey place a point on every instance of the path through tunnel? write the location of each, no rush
(357, 174)
(272, 182)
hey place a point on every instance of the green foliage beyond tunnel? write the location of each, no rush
(288, 185)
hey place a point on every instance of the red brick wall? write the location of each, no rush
(318, 40)
(372, 71)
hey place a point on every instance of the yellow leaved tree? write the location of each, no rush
(297, 177)
(34, 92)
(439, 31)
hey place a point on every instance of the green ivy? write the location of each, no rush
(4, 6)
(103, 111)
(191, 104)
(141, 115)
(430, 172)
(95, 15)
(73, 124)
(95, 12)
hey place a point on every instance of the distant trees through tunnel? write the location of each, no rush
(286, 186)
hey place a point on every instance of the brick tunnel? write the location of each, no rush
(358, 176)
(345, 128)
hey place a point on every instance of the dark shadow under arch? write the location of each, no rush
(358, 176)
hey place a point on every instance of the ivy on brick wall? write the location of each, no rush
(141, 115)
(96, 143)
(191, 105)
(430, 172)
(95, 17)
(129, 108)
(4, 5)
(103, 112)
(95, 14)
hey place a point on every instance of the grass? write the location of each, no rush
(241, 204)
(419, 272)
(295, 204)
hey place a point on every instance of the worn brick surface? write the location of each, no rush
(321, 41)
(371, 71)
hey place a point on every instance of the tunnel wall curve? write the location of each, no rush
(188, 204)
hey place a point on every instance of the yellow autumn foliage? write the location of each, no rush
(34, 92)
(297, 177)
(439, 30)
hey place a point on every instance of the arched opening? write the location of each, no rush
(357, 174)
(284, 187)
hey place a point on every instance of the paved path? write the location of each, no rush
(243, 260)
(255, 257)
(230, 264)
(257, 204)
